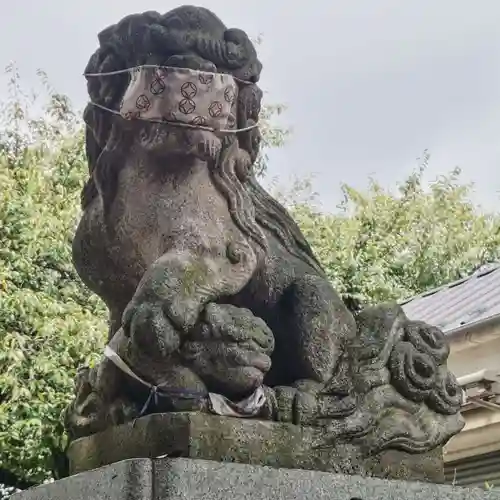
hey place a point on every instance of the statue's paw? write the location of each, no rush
(308, 386)
(96, 415)
(121, 411)
(149, 328)
(229, 349)
(86, 415)
(226, 367)
(236, 325)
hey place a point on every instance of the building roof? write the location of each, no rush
(469, 300)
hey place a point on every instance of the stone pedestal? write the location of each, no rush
(222, 439)
(188, 479)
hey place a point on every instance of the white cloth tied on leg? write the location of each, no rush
(220, 405)
(248, 407)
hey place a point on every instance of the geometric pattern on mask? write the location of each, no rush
(197, 98)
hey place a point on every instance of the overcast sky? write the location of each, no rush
(369, 84)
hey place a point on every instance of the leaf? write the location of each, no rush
(383, 245)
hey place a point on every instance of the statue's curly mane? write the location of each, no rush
(186, 37)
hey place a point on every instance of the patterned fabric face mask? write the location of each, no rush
(179, 96)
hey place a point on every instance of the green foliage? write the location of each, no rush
(49, 322)
(382, 245)
(273, 135)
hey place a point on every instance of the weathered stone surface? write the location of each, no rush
(217, 302)
(202, 436)
(127, 480)
(187, 479)
(175, 224)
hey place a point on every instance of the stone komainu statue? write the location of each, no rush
(217, 303)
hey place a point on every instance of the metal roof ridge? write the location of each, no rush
(432, 291)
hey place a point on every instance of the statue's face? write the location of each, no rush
(167, 143)
(178, 110)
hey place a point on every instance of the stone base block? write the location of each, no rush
(187, 479)
(222, 439)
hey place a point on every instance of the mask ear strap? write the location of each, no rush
(179, 124)
(155, 66)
